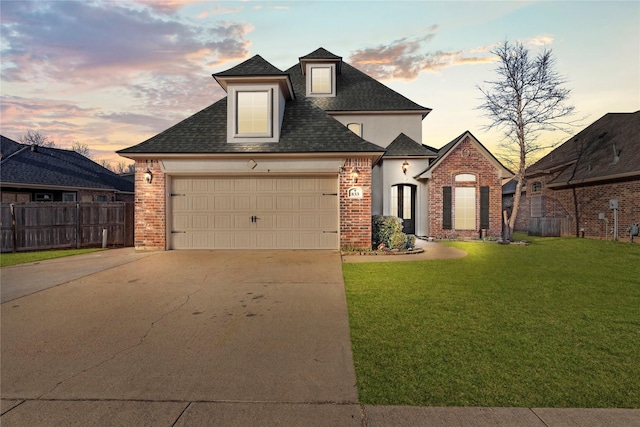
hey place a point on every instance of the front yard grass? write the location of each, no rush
(8, 259)
(552, 324)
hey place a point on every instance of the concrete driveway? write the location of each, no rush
(204, 338)
(261, 326)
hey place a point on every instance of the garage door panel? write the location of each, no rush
(222, 203)
(222, 221)
(244, 240)
(265, 203)
(265, 222)
(308, 203)
(308, 222)
(291, 213)
(284, 203)
(285, 222)
(200, 203)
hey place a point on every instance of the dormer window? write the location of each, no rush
(254, 113)
(321, 80)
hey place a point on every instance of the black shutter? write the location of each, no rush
(484, 207)
(446, 208)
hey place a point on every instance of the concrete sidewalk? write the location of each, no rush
(197, 338)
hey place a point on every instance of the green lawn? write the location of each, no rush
(8, 259)
(552, 324)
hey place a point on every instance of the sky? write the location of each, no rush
(110, 74)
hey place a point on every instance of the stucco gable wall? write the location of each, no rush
(465, 158)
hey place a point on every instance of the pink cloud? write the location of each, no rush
(403, 59)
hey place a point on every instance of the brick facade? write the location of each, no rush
(466, 158)
(355, 214)
(150, 207)
(591, 201)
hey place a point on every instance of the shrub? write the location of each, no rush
(387, 230)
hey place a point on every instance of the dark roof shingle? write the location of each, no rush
(27, 165)
(590, 156)
(403, 146)
(305, 129)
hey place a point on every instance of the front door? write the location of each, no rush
(404, 206)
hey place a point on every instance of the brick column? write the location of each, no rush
(150, 207)
(355, 214)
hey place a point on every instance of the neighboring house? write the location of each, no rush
(302, 159)
(574, 189)
(31, 173)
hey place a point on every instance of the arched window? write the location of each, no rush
(465, 177)
(355, 128)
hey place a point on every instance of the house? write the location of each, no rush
(301, 159)
(31, 173)
(590, 185)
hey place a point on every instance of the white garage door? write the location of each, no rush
(254, 213)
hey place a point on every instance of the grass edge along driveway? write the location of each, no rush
(8, 259)
(552, 324)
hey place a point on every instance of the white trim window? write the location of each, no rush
(321, 80)
(254, 113)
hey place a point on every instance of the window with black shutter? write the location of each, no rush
(446, 208)
(484, 207)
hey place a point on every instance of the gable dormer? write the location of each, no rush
(320, 69)
(256, 96)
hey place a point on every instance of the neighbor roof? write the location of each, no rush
(31, 166)
(403, 146)
(305, 129)
(591, 155)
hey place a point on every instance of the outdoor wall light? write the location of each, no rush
(148, 177)
(354, 174)
(405, 167)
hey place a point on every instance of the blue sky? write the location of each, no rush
(111, 74)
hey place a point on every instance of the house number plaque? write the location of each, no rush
(355, 193)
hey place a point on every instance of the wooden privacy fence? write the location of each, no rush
(59, 225)
(550, 227)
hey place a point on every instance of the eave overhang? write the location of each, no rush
(284, 82)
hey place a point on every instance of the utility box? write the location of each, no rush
(613, 204)
(601, 215)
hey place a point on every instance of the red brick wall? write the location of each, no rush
(592, 200)
(465, 158)
(150, 207)
(355, 214)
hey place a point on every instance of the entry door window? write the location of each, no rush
(403, 201)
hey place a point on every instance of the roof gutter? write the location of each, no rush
(595, 179)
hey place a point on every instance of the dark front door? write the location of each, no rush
(406, 204)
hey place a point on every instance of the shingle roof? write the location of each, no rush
(589, 155)
(255, 66)
(23, 164)
(305, 129)
(356, 91)
(403, 146)
(321, 53)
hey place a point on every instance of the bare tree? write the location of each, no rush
(526, 99)
(36, 138)
(80, 148)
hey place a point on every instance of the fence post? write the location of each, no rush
(78, 229)
(14, 233)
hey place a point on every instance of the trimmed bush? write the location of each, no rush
(387, 230)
